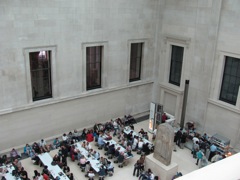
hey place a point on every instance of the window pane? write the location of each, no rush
(176, 65)
(135, 61)
(94, 56)
(230, 83)
(40, 67)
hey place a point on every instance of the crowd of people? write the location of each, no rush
(102, 134)
(201, 146)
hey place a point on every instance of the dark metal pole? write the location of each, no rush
(184, 103)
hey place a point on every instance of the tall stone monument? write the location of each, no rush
(160, 161)
(164, 144)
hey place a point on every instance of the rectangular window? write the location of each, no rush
(135, 61)
(40, 68)
(230, 81)
(94, 60)
(176, 65)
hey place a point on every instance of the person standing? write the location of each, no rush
(199, 155)
(183, 140)
(178, 137)
(137, 167)
(213, 150)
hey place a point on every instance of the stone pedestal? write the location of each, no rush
(159, 169)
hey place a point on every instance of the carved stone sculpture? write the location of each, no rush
(164, 143)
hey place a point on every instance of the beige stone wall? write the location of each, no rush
(68, 27)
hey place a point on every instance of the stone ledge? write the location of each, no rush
(159, 169)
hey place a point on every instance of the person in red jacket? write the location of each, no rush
(89, 136)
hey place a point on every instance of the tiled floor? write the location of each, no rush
(182, 157)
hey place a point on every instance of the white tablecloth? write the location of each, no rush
(8, 175)
(127, 130)
(94, 162)
(55, 170)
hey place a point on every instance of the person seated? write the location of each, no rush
(83, 135)
(24, 174)
(148, 175)
(70, 176)
(64, 138)
(56, 143)
(28, 150)
(96, 155)
(5, 159)
(111, 150)
(90, 152)
(129, 150)
(17, 164)
(102, 172)
(75, 136)
(140, 145)
(14, 154)
(146, 149)
(87, 168)
(45, 176)
(145, 136)
(83, 144)
(117, 152)
(103, 161)
(130, 136)
(91, 174)
(141, 132)
(110, 168)
(44, 146)
(36, 148)
(131, 126)
(3, 171)
(82, 162)
(66, 170)
(88, 146)
(35, 159)
(89, 136)
(100, 142)
(45, 170)
(121, 159)
(57, 160)
(37, 175)
(124, 143)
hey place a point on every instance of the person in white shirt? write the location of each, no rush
(115, 126)
(44, 146)
(64, 137)
(88, 146)
(195, 139)
(216, 157)
(140, 144)
(91, 174)
(135, 142)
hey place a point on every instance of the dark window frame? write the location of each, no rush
(136, 55)
(41, 72)
(94, 60)
(175, 72)
(230, 80)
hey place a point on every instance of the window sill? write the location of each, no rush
(224, 105)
